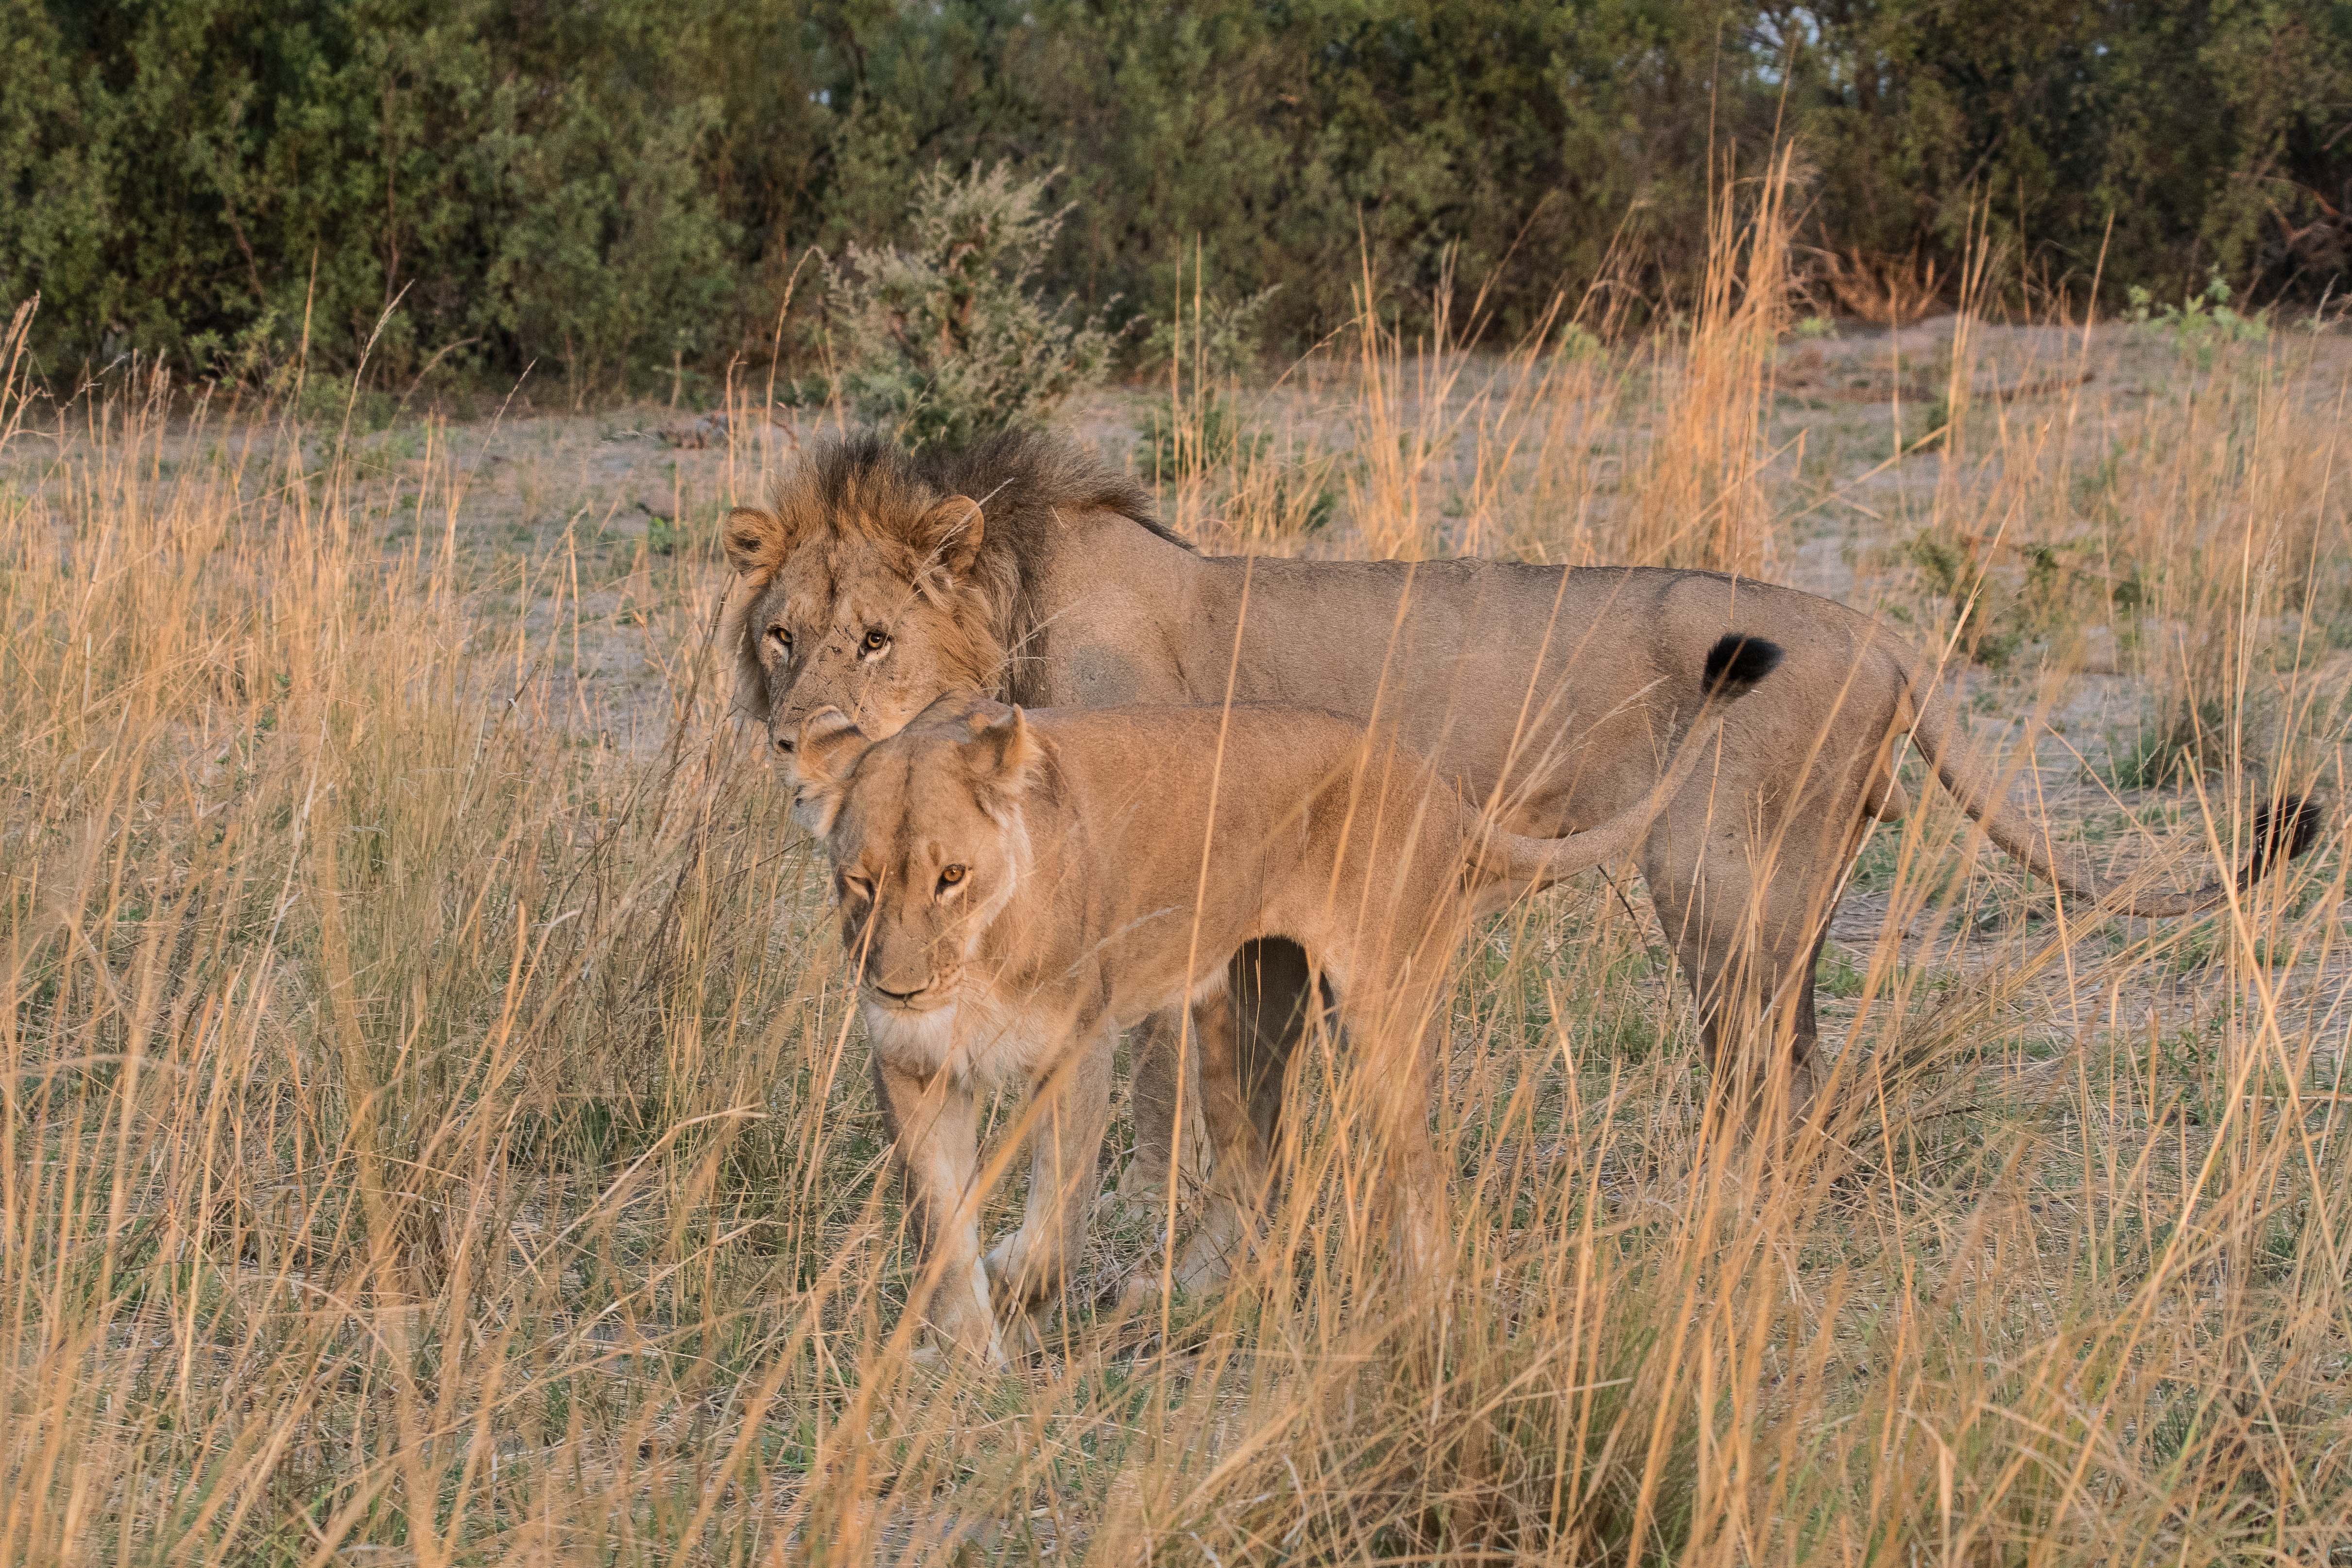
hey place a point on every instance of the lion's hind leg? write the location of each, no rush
(1159, 1062)
(1275, 993)
(1271, 989)
(1747, 937)
(1394, 1025)
(1239, 1157)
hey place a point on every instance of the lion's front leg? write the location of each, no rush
(1067, 1119)
(936, 1128)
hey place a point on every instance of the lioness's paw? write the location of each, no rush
(935, 1354)
(1192, 1278)
(1020, 1272)
(1205, 1267)
(1140, 1290)
(1023, 1337)
(1139, 1197)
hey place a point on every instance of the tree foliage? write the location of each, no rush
(609, 191)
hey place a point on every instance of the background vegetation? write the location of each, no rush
(433, 1127)
(619, 192)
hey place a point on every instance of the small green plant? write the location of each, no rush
(2199, 325)
(1224, 338)
(1933, 425)
(1218, 437)
(1578, 342)
(944, 342)
(2001, 614)
(1837, 975)
(1213, 437)
(2169, 747)
(1198, 432)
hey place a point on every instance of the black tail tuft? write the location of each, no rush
(2282, 832)
(1738, 661)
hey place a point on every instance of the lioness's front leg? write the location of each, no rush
(936, 1129)
(1067, 1119)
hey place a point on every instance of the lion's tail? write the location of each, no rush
(1509, 864)
(2282, 830)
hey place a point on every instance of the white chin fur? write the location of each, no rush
(919, 1043)
(970, 1037)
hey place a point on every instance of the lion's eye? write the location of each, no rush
(858, 885)
(952, 877)
(877, 640)
(783, 639)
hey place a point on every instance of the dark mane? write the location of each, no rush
(1021, 479)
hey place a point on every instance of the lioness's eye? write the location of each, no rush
(877, 640)
(783, 639)
(951, 877)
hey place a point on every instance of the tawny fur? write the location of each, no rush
(1016, 888)
(1546, 693)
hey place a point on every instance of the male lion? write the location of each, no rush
(1016, 887)
(878, 581)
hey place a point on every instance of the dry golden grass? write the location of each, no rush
(432, 1129)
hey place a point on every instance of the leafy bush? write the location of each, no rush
(944, 342)
(2174, 743)
(234, 184)
(1225, 338)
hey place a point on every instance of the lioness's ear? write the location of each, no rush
(756, 540)
(830, 744)
(828, 747)
(1002, 753)
(973, 709)
(949, 533)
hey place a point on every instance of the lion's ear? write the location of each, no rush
(756, 540)
(1003, 753)
(949, 533)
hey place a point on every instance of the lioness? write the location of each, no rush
(878, 581)
(1016, 887)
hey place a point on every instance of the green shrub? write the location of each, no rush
(2001, 615)
(944, 341)
(2174, 743)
